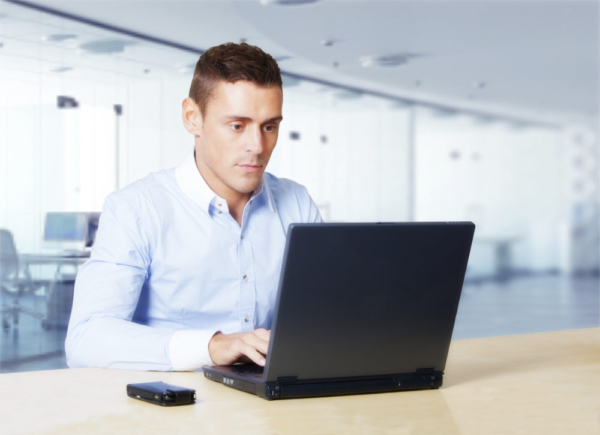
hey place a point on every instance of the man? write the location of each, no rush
(186, 263)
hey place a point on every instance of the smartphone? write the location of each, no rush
(162, 394)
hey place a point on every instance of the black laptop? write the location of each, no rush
(361, 308)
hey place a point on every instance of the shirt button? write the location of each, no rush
(219, 205)
(246, 319)
(242, 236)
(218, 211)
(245, 278)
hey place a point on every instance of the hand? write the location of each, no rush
(225, 349)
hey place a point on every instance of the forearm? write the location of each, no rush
(117, 343)
(101, 333)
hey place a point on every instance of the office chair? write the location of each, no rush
(15, 282)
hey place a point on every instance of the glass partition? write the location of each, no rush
(85, 111)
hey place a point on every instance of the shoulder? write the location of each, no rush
(145, 190)
(133, 208)
(284, 188)
(292, 199)
(139, 201)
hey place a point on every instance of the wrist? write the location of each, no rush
(212, 345)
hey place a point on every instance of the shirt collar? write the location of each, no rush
(193, 185)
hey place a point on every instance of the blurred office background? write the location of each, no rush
(394, 111)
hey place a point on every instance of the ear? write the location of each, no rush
(190, 114)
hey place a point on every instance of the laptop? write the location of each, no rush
(361, 308)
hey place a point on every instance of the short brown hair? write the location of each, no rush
(231, 62)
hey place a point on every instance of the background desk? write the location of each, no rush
(47, 259)
(59, 290)
(23, 284)
(546, 383)
(36, 307)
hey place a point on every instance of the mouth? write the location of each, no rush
(250, 168)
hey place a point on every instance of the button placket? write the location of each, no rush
(247, 291)
(219, 205)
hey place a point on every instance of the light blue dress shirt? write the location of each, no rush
(170, 267)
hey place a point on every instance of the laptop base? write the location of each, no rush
(291, 388)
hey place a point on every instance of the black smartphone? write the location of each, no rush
(162, 394)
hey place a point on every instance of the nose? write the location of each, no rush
(255, 143)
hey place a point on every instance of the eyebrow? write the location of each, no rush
(245, 118)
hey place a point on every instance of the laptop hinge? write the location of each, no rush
(287, 379)
(425, 371)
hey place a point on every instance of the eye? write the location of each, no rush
(237, 127)
(271, 128)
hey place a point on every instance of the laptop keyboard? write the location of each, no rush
(247, 370)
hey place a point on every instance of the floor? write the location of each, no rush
(516, 306)
(527, 305)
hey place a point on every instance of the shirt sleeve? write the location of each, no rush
(107, 289)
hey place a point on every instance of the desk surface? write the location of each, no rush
(52, 259)
(536, 383)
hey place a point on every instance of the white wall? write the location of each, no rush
(151, 131)
(64, 159)
(360, 173)
(508, 181)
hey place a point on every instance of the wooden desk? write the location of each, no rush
(545, 383)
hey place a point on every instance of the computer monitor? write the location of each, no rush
(93, 218)
(66, 227)
(70, 231)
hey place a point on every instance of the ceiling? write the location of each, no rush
(539, 57)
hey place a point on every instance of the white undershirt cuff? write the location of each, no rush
(188, 349)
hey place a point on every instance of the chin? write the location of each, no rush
(247, 186)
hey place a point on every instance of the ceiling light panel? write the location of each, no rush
(288, 2)
(61, 69)
(105, 46)
(348, 95)
(390, 60)
(59, 37)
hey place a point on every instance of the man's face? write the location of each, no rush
(238, 135)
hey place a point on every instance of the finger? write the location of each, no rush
(258, 343)
(244, 360)
(263, 334)
(253, 354)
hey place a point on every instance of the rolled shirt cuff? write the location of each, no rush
(188, 349)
